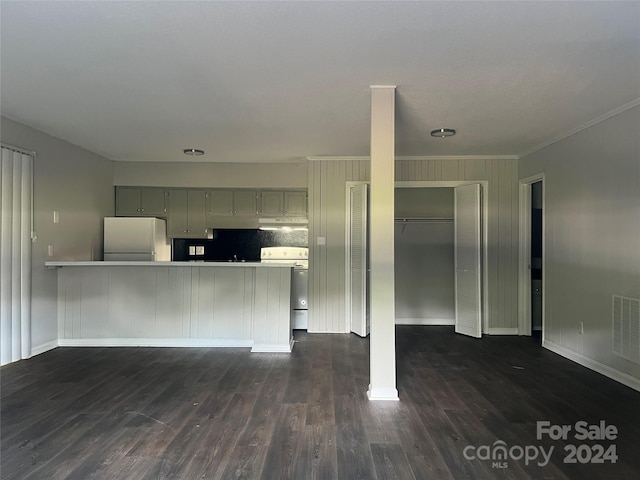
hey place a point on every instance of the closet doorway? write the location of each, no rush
(440, 253)
(469, 288)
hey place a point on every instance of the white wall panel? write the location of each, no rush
(327, 203)
(327, 210)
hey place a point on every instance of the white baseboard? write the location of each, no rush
(385, 394)
(425, 321)
(152, 342)
(502, 331)
(45, 347)
(607, 371)
(272, 348)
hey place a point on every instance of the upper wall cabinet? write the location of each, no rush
(220, 202)
(295, 204)
(140, 201)
(271, 203)
(186, 210)
(274, 203)
(226, 202)
(245, 202)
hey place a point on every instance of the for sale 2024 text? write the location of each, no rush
(581, 431)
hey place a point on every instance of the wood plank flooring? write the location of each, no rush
(169, 413)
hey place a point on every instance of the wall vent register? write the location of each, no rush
(626, 328)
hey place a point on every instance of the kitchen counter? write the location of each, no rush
(175, 304)
(165, 264)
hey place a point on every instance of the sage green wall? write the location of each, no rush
(592, 235)
(79, 185)
(202, 175)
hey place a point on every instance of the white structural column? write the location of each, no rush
(382, 296)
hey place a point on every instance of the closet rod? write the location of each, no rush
(424, 220)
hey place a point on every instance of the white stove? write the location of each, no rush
(299, 258)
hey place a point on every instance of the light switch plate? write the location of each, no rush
(199, 249)
(192, 250)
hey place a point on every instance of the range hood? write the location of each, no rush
(283, 223)
(236, 222)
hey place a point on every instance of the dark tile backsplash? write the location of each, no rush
(245, 244)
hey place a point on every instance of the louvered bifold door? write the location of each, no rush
(467, 260)
(358, 259)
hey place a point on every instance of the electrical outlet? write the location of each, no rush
(50, 250)
(199, 249)
(581, 328)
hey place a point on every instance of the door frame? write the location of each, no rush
(524, 254)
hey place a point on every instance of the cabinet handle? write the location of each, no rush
(142, 209)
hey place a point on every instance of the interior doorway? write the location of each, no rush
(531, 271)
(536, 259)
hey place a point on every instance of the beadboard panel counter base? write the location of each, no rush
(154, 342)
(190, 306)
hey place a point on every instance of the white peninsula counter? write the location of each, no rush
(175, 304)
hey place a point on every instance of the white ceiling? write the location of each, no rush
(280, 81)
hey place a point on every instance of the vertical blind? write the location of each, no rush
(15, 254)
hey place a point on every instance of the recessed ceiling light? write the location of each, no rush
(193, 151)
(443, 132)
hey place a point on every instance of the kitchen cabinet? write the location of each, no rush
(288, 203)
(271, 203)
(227, 202)
(140, 201)
(190, 210)
(186, 213)
(295, 204)
(220, 202)
(245, 202)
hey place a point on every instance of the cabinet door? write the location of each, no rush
(220, 202)
(177, 203)
(152, 202)
(127, 201)
(245, 202)
(271, 204)
(295, 204)
(196, 213)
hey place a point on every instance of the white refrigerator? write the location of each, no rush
(136, 239)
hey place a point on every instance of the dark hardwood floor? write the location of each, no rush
(161, 413)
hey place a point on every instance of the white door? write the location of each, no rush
(467, 260)
(358, 259)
